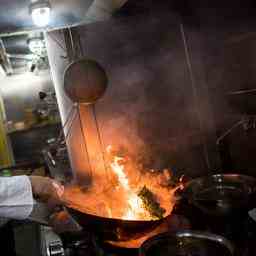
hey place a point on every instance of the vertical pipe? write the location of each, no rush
(195, 93)
(84, 143)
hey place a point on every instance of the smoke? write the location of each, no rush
(148, 111)
(148, 108)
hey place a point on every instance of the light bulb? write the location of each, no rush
(36, 45)
(40, 12)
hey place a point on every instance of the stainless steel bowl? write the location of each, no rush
(221, 194)
(187, 243)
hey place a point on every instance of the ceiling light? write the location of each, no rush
(40, 12)
(36, 45)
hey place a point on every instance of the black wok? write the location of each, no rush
(106, 228)
(111, 228)
(222, 194)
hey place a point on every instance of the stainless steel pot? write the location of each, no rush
(187, 243)
(222, 194)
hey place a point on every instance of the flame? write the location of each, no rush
(117, 195)
(135, 208)
(119, 171)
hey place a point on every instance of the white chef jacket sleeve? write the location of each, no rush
(16, 198)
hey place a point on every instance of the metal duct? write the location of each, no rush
(5, 61)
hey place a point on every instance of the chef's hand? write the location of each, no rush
(47, 190)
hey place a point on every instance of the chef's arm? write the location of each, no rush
(16, 198)
(17, 195)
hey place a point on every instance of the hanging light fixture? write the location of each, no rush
(36, 45)
(40, 11)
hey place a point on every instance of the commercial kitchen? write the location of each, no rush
(127, 127)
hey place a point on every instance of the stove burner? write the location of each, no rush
(240, 231)
(172, 223)
(84, 243)
(80, 244)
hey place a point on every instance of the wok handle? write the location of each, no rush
(41, 213)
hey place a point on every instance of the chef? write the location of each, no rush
(17, 201)
(17, 195)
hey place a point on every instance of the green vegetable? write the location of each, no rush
(150, 203)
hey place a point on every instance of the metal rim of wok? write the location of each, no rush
(199, 235)
(113, 229)
(242, 185)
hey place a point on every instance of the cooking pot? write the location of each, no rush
(222, 194)
(187, 243)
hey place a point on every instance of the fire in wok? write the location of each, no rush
(129, 197)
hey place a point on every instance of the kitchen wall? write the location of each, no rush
(21, 91)
(151, 106)
(229, 65)
(168, 72)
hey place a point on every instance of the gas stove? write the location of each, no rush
(240, 230)
(85, 243)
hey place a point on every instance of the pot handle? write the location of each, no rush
(181, 193)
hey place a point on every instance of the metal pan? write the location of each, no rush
(107, 228)
(187, 243)
(111, 228)
(222, 194)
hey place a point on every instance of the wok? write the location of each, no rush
(222, 194)
(106, 228)
(111, 228)
(81, 206)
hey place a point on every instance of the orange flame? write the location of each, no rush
(135, 209)
(117, 196)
